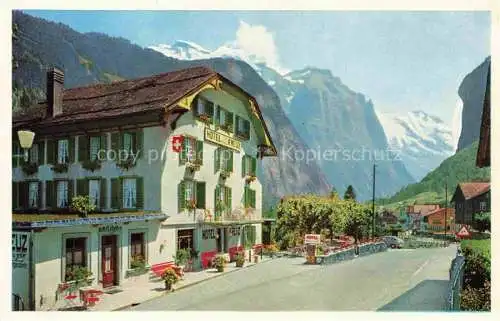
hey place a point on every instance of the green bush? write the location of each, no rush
(82, 205)
(182, 256)
(476, 299)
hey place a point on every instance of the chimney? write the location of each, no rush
(55, 87)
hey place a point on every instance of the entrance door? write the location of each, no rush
(109, 260)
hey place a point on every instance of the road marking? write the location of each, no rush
(420, 268)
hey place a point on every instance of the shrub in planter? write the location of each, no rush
(181, 257)
(240, 259)
(138, 262)
(91, 165)
(126, 164)
(82, 205)
(78, 274)
(219, 262)
(60, 168)
(170, 278)
(29, 168)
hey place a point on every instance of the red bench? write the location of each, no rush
(159, 268)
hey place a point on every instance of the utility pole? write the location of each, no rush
(373, 204)
(445, 206)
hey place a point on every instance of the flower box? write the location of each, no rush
(29, 168)
(250, 178)
(60, 168)
(205, 118)
(193, 166)
(91, 165)
(225, 174)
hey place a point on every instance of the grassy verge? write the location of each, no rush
(482, 247)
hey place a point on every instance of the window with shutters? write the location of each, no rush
(63, 151)
(95, 146)
(129, 193)
(94, 191)
(249, 197)
(223, 199)
(191, 193)
(249, 165)
(224, 119)
(192, 151)
(33, 154)
(225, 159)
(76, 253)
(242, 128)
(250, 236)
(204, 107)
(62, 194)
(33, 194)
(137, 247)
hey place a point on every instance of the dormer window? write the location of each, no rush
(224, 119)
(242, 128)
(204, 109)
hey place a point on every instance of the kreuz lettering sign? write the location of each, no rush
(110, 228)
(20, 243)
(223, 140)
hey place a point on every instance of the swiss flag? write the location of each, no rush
(177, 143)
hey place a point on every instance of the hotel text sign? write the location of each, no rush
(221, 139)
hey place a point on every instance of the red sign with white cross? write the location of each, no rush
(177, 143)
(463, 233)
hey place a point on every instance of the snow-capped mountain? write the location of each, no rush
(422, 141)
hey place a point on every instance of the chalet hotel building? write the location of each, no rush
(169, 161)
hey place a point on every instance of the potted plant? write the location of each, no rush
(250, 178)
(205, 118)
(225, 174)
(181, 257)
(219, 263)
(126, 164)
(29, 168)
(191, 205)
(227, 127)
(79, 275)
(170, 278)
(82, 205)
(91, 165)
(60, 168)
(240, 259)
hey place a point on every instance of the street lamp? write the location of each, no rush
(26, 141)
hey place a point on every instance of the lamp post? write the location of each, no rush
(26, 141)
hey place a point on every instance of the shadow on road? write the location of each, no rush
(428, 295)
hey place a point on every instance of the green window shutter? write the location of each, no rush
(237, 127)
(15, 195)
(230, 161)
(217, 115)
(252, 202)
(181, 199)
(254, 234)
(243, 166)
(245, 197)
(200, 195)
(23, 195)
(116, 193)
(139, 142)
(83, 148)
(199, 151)
(194, 106)
(50, 195)
(116, 145)
(39, 200)
(71, 183)
(139, 185)
(41, 149)
(209, 109)
(216, 159)
(51, 151)
(103, 193)
(183, 153)
(71, 149)
(15, 152)
(216, 199)
(230, 120)
(254, 166)
(229, 202)
(82, 187)
(104, 143)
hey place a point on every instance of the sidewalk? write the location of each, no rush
(141, 288)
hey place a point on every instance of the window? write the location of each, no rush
(242, 127)
(62, 194)
(223, 200)
(192, 151)
(204, 107)
(129, 193)
(127, 142)
(76, 253)
(224, 119)
(249, 165)
(190, 154)
(191, 191)
(33, 195)
(250, 236)
(185, 239)
(94, 191)
(137, 246)
(482, 206)
(95, 146)
(224, 157)
(62, 151)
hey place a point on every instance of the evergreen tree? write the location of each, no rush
(349, 193)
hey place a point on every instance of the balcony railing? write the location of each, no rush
(237, 215)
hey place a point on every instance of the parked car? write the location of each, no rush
(393, 242)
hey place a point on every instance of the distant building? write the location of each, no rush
(416, 214)
(471, 198)
(435, 220)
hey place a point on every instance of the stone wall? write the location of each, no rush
(371, 248)
(350, 253)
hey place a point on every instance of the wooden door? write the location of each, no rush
(109, 260)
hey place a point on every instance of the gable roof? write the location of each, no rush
(157, 93)
(450, 210)
(473, 189)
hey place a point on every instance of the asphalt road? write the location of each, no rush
(396, 280)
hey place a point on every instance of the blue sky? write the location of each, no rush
(401, 60)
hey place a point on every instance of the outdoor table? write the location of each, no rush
(89, 296)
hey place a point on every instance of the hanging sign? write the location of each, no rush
(221, 139)
(20, 249)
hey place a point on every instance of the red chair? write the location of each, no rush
(91, 297)
(69, 292)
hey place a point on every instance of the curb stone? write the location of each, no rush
(126, 306)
